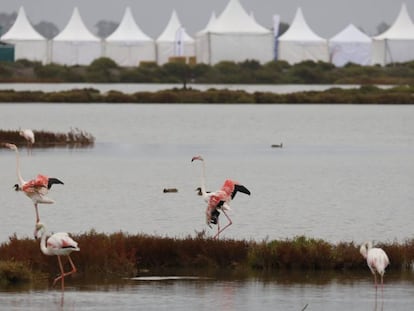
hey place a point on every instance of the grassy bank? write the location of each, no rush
(73, 138)
(367, 94)
(121, 254)
(105, 70)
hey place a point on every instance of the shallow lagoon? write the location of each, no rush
(345, 173)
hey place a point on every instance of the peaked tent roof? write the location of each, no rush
(75, 30)
(22, 29)
(299, 30)
(171, 30)
(128, 30)
(234, 18)
(402, 28)
(351, 34)
(209, 23)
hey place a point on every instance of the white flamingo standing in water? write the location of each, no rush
(36, 189)
(58, 244)
(30, 138)
(377, 260)
(219, 200)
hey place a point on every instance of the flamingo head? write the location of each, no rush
(38, 227)
(200, 158)
(17, 187)
(199, 192)
(365, 248)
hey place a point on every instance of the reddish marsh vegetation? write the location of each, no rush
(121, 254)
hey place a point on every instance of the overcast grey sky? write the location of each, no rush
(325, 17)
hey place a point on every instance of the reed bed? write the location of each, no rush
(124, 255)
(366, 94)
(44, 139)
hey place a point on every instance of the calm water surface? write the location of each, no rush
(345, 173)
(285, 292)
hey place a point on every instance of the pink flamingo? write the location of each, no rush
(36, 189)
(58, 244)
(377, 260)
(30, 138)
(219, 200)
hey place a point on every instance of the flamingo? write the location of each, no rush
(377, 260)
(219, 200)
(30, 138)
(36, 189)
(58, 244)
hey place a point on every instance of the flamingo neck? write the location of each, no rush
(365, 248)
(43, 247)
(19, 175)
(203, 180)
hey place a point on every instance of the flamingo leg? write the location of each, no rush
(63, 273)
(37, 213)
(226, 226)
(61, 276)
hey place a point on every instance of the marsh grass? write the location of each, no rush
(13, 273)
(366, 94)
(122, 254)
(43, 139)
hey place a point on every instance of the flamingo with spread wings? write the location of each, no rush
(219, 201)
(36, 189)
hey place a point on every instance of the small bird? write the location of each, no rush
(218, 201)
(377, 260)
(170, 190)
(277, 145)
(58, 244)
(36, 189)
(30, 138)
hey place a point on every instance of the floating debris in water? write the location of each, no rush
(277, 145)
(170, 190)
(167, 278)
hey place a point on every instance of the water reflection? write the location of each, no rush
(222, 290)
(379, 306)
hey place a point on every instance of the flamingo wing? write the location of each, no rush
(37, 186)
(61, 242)
(231, 187)
(51, 181)
(239, 188)
(216, 201)
(377, 260)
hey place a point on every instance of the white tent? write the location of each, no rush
(350, 45)
(128, 45)
(75, 44)
(300, 43)
(234, 36)
(397, 43)
(29, 44)
(174, 41)
(201, 43)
